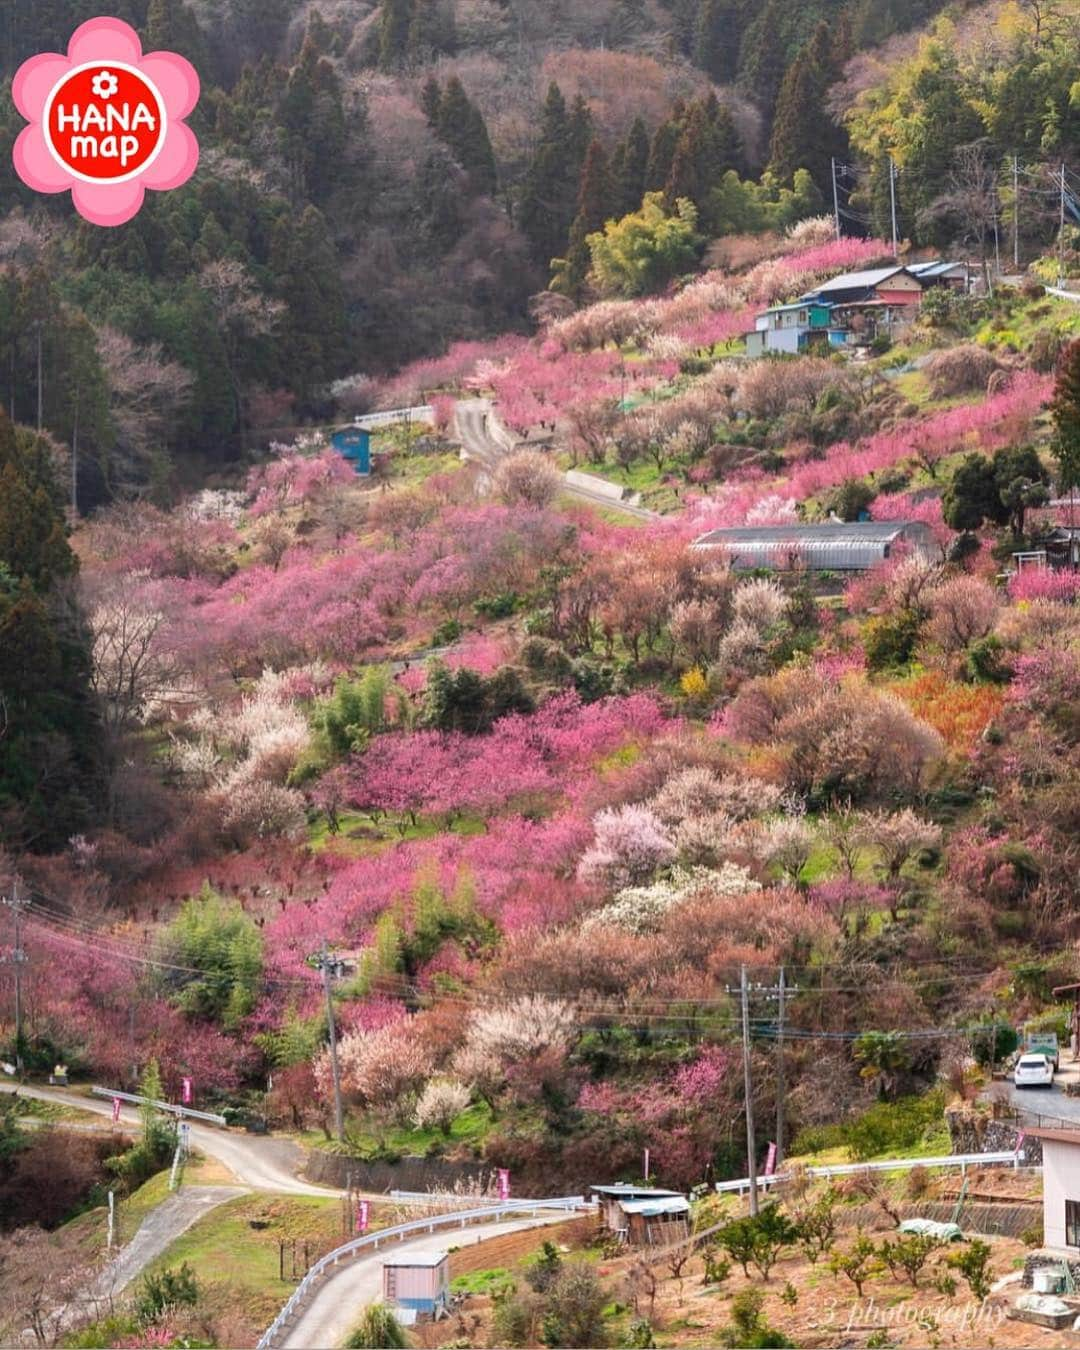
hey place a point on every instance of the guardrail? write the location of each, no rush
(371, 1241)
(961, 1160)
(1022, 1115)
(424, 413)
(183, 1112)
(470, 1201)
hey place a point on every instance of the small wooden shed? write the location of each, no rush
(643, 1216)
(418, 1284)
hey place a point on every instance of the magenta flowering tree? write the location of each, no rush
(295, 477)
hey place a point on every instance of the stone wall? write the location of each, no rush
(1039, 1259)
(972, 1132)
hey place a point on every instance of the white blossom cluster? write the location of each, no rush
(641, 909)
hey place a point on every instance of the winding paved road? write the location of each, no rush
(476, 418)
(262, 1164)
(336, 1308)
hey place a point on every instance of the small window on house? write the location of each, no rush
(1072, 1223)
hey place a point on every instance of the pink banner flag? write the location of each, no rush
(115, 1109)
(363, 1211)
(187, 1093)
(504, 1184)
(770, 1161)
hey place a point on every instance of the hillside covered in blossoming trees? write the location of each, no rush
(499, 770)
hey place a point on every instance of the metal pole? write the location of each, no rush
(18, 960)
(1061, 231)
(339, 1110)
(780, 1072)
(1016, 213)
(748, 1088)
(112, 1220)
(835, 198)
(892, 198)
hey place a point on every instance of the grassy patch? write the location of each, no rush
(235, 1248)
(488, 1282)
(468, 1131)
(359, 836)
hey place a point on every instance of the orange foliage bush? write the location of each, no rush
(959, 713)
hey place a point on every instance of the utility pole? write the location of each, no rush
(1061, 231)
(748, 1091)
(18, 959)
(835, 198)
(892, 199)
(780, 992)
(1016, 213)
(327, 966)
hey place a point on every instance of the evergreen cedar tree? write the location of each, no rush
(50, 750)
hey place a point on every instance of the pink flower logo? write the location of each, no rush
(106, 121)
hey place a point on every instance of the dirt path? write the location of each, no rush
(158, 1231)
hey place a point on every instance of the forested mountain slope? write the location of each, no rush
(377, 180)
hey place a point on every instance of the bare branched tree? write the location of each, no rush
(971, 203)
(146, 391)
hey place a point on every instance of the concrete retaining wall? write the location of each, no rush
(410, 1174)
(591, 483)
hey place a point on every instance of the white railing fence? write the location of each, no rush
(510, 1209)
(961, 1160)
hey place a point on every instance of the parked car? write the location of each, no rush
(1034, 1071)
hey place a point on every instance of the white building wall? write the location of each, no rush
(783, 340)
(1061, 1182)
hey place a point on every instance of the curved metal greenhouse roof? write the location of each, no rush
(823, 548)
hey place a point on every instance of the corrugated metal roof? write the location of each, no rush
(617, 1188)
(795, 304)
(425, 1259)
(861, 532)
(852, 281)
(936, 268)
(676, 1204)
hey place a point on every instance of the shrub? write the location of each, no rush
(747, 1329)
(545, 1269)
(894, 1128)
(890, 639)
(963, 369)
(850, 499)
(974, 1264)
(717, 1268)
(218, 939)
(574, 1311)
(513, 1323)
(908, 1255)
(857, 1263)
(817, 1225)
(526, 478)
(758, 1240)
(378, 1329)
(162, 1294)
